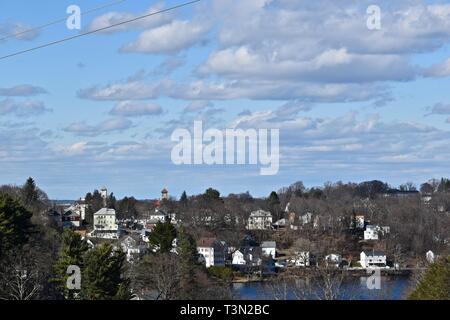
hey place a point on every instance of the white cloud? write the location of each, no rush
(25, 108)
(128, 90)
(107, 126)
(136, 109)
(115, 17)
(24, 90)
(169, 38)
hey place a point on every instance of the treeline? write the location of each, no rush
(38, 260)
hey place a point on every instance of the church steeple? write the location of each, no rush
(164, 194)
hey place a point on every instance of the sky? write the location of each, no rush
(351, 103)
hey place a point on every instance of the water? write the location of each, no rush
(354, 288)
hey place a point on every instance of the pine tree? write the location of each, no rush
(435, 283)
(30, 192)
(103, 275)
(162, 236)
(211, 194)
(183, 199)
(188, 257)
(15, 224)
(71, 254)
(274, 204)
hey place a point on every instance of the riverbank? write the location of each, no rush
(307, 272)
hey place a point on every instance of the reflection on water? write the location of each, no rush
(392, 288)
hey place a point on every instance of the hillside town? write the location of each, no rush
(267, 245)
(296, 232)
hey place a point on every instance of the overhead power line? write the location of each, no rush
(98, 30)
(17, 34)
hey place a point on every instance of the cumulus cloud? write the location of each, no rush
(107, 126)
(111, 18)
(128, 90)
(136, 109)
(24, 90)
(169, 38)
(25, 108)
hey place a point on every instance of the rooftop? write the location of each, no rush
(105, 211)
(206, 242)
(374, 253)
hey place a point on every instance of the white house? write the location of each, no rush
(249, 256)
(371, 232)
(260, 220)
(238, 258)
(131, 248)
(333, 259)
(212, 250)
(301, 259)
(269, 248)
(105, 225)
(372, 259)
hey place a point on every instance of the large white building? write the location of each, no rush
(260, 220)
(105, 225)
(213, 251)
(372, 259)
(371, 232)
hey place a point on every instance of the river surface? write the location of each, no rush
(353, 288)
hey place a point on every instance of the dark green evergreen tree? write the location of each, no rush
(103, 275)
(30, 192)
(188, 259)
(71, 254)
(435, 283)
(162, 236)
(15, 224)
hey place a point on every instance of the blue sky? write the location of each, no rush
(351, 103)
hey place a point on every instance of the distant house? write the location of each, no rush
(71, 218)
(333, 260)
(385, 230)
(238, 258)
(132, 248)
(212, 250)
(371, 232)
(260, 220)
(269, 248)
(105, 225)
(301, 259)
(248, 256)
(372, 259)
(280, 224)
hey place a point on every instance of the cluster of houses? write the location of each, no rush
(263, 220)
(132, 237)
(250, 256)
